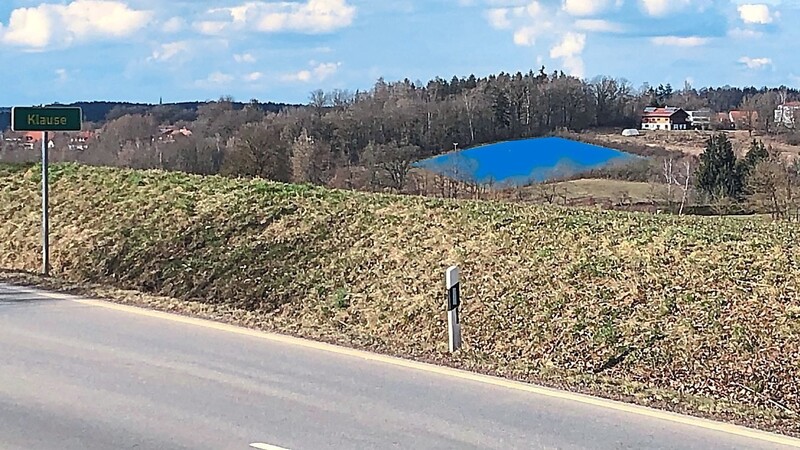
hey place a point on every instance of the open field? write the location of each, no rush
(589, 191)
(690, 142)
(700, 315)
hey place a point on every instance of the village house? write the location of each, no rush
(785, 114)
(743, 120)
(722, 121)
(28, 140)
(668, 118)
(700, 119)
(80, 140)
(169, 134)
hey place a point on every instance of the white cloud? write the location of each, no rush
(679, 41)
(662, 7)
(498, 18)
(244, 58)
(755, 63)
(598, 25)
(569, 50)
(534, 9)
(62, 75)
(319, 72)
(571, 45)
(254, 76)
(219, 78)
(47, 24)
(584, 7)
(174, 25)
(755, 13)
(526, 36)
(741, 33)
(211, 26)
(309, 17)
(168, 51)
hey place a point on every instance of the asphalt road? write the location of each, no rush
(81, 376)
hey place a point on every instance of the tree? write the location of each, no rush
(310, 160)
(718, 175)
(257, 151)
(502, 111)
(680, 177)
(391, 163)
(749, 108)
(757, 153)
(771, 186)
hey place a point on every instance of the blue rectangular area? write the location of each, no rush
(524, 161)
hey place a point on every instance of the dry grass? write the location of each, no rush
(599, 190)
(691, 314)
(691, 142)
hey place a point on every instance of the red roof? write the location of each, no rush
(32, 136)
(744, 115)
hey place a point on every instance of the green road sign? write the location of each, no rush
(45, 119)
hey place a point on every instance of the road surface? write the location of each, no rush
(85, 376)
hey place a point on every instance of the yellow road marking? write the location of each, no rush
(449, 372)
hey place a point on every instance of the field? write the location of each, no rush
(687, 142)
(700, 315)
(597, 191)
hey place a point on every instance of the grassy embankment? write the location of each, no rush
(690, 314)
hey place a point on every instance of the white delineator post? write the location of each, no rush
(452, 279)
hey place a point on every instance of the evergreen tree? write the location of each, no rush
(718, 173)
(757, 153)
(502, 110)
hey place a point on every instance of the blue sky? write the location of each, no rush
(182, 50)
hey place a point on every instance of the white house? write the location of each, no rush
(785, 114)
(668, 118)
(700, 120)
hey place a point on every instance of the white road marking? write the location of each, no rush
(261, 446)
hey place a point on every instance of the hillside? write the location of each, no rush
(688, 314)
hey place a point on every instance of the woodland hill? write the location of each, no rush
(369, 140)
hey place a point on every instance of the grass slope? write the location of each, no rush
(689, 314)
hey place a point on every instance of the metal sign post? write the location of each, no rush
(45, 209)
(45, 120)
(453, 303)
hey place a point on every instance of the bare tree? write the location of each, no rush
(310, 160)
(773, 185)
(257, 150)
(684, 184)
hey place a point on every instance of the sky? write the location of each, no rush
(187, 50)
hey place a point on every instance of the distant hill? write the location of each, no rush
(98, 111)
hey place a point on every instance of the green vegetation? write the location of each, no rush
(690, 314)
